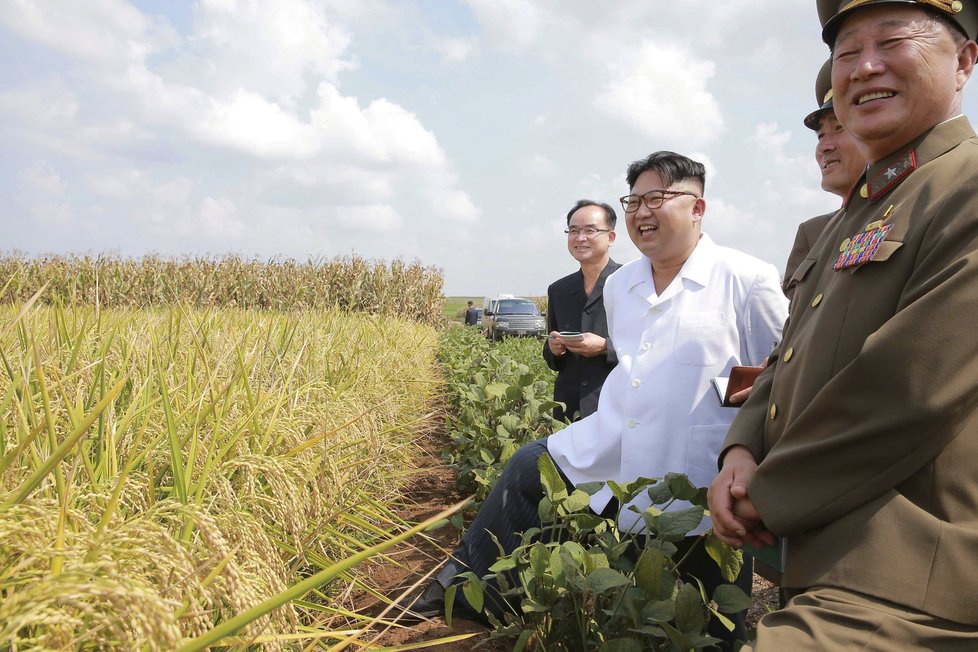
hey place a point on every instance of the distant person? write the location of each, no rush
(839, 160)
(471, 315)
(574, 304)
(682, 313)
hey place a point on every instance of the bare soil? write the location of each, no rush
(433, 490)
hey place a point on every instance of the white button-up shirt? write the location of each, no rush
(657, 412)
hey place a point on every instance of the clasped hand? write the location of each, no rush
(735, 519)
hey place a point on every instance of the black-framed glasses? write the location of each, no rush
(588, 232)
(652, 199)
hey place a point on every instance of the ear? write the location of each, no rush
(967, 55)
(699, 209)
(611, 238)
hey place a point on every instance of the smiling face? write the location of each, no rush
(896, 72)
(838, 156)
(595, 248)
(669, 233)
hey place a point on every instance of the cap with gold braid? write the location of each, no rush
(962, 13)
(823, 96)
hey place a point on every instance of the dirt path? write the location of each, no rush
(432, 491)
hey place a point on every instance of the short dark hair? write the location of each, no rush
(610, 216)
(670, 166)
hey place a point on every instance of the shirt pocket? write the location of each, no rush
(701, 338)
(800, 273)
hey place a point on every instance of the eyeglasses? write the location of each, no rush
(652, 199)
(588, 232)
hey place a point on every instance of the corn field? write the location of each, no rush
(165, 470)
(351, 283)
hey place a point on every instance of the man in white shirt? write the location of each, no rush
(684, 312)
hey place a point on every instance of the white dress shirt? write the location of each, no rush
(657, 412)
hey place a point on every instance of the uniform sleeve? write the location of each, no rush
(554, 362)
(908, 391)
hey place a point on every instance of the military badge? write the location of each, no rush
(861, 248)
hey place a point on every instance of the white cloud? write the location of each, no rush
(661, 91)
(457, 49)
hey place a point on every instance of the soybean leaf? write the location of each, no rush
(649, 569)
(539, 559)
(727, 558)
(549, 476)
(659, 493)
(660, 611)
(690, 611)
(730, 599)
(680, 486)
(473, 591)
(577, 501)
(605, 579)
(591, 488)
(675, 525)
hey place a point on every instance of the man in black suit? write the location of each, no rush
(574, 305)
(471, 315)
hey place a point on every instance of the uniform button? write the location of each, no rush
(817, 300)
(845, 245)
(864, 191)
(790, 352)
(774, 411)
(636, 382)
(646, 346)
(632, 423)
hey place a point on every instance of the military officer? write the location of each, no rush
(858, 443)
(839, 161)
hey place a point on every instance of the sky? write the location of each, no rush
(456, 133)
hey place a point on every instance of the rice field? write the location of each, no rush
(169, 471)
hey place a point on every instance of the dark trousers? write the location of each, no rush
(511, 508)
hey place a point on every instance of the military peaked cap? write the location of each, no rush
(963, 14)
(823, 96)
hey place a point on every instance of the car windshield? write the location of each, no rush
(517, 308)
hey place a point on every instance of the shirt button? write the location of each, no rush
(817, 300)
(588, 311)
(636, 382)
(646, 346)
(631, 423)
(656, 310)
(774, 411)
(583, 383)
(787, 354)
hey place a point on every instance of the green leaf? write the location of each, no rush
(621, 645)
(730, 599)
(523, 640)
(675, 525)
(549, 476)
(546, 511)
(591, 488)
(503, 564)
(680, 486)
(690, 611)
(473, 591)
(577, 501)
(659, 494)
(539, 560)
(729, 559)
(605, 579)
(510, 421)
(450, 603)
(678, 639)
(660, 611)
(648, 571)
(496, 390)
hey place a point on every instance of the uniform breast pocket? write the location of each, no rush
(701, 339)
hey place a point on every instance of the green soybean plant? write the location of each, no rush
(580, 583)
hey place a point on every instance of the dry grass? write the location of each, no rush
(163, 470)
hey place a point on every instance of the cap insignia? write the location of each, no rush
(945, 5)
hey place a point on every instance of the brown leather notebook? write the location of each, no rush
(741, 377)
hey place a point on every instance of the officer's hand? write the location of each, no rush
(757, 534)
(739, 397)
(729, 486)
(556, 344)
(589, 346)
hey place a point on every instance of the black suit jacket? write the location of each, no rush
(579, 379)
